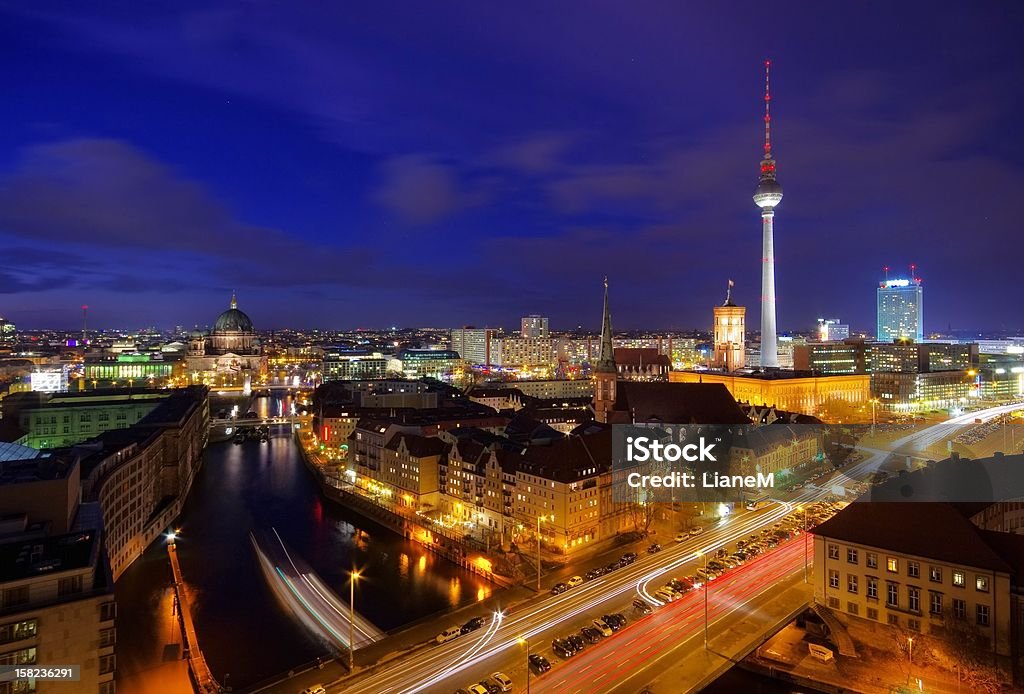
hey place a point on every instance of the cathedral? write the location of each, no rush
(230, 354)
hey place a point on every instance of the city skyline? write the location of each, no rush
(324, 199)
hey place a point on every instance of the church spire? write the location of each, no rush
(234, 299)
(606, 357)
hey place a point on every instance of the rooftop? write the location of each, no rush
(40, 556)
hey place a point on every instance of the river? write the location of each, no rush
(242, 628)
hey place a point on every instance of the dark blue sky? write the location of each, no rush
(446, 164)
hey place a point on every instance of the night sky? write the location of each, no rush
(441, 164)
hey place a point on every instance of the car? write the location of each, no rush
(491, 687)
(315, 689)
(591, 634)
(596, 572)
(655, 547)
(694, 532)
(680, 586)
(628, 557)
(603, 627)
(503, 681)
(473, 624)
(721, 553)
(666, 595)
(478, 689)
(612, 567)
(563, 649)
(574, 581)
(682, 537)
(642, 606)
(559, 588)
(741, 544)
(621, 617)
(539, 664)
(449, 634)
(612, 620)
(577, 641)
(729, 562)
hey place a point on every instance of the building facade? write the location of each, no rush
(900, 310)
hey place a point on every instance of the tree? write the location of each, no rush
(970, 659)
(641, 511)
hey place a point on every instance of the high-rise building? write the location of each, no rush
(534, 326)
(473, 344)
(8, 333)
(831, 330)
(729, 334)
(900, 312)
(767, 196)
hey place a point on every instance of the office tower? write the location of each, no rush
(900, 313)
(831, 330)
(534, 326)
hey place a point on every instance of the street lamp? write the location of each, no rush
(353, 577)
(707, 587)
(524, 642)
(802, 508)
(910, 656)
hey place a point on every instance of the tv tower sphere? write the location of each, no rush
(768, 193)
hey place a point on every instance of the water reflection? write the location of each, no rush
(241, 626)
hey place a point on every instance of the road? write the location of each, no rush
(446, 667)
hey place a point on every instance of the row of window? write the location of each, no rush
(892, 565)
(892, 597)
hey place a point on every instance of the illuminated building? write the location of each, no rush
(340, 365)
(522, 352)
(641, 364)
(444, 365)
(824, 358)
(124, 368)
(767, 196)
(916, 392)
(473, 344)
(605, 372)
(549, 389)
(793, 391)
(894, 567)
(831, 330)
(900, 310)
(534, 326)
(230, 354)
(8, 333)
(729, 334)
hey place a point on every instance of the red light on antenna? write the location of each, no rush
(767, 63)
(85, 308)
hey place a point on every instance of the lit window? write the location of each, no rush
(892, 564)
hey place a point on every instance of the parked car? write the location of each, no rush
(449, 634)
(596, 572)
(315, 689)
(680, 586)
(628, 557)
(503, 681)
(603, 627)
(666, 595)
(694, 532)
(682, 537)
(655, 547)
(621, 618)
(482, 687)
(563, 649)
(613, 621)
(574, 581)
(591, 634)
(559, 588)
(473, 624)
(577, 641)
(642, 606)
(539, 664)
(612, 567)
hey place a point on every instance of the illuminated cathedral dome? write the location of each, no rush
(233, 320)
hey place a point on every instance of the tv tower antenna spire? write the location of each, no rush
(767, 110)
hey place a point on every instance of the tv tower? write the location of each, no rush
(767, 195)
